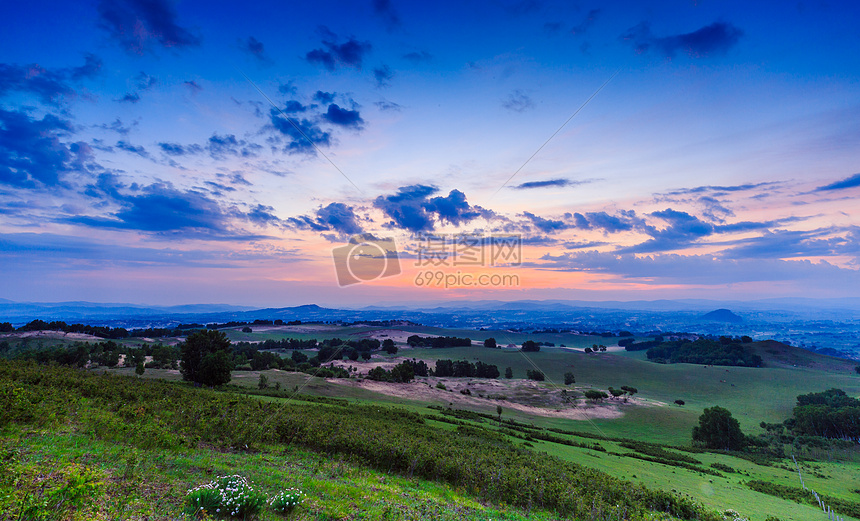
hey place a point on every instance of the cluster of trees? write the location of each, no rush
(530, 346)
(829, 414)
(629, 344)
(534, 374)
(595, 348)
(59, 325)
(404, 372)
(438, 341)
(725, 351)
(465, 369)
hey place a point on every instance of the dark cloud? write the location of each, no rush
(163, 210)
(348, 54)
(130, 97)
(193, 86)
(849, 182)
(454, 208)
(585, 25)
(220, 146)
(293, 107)
(385, 105)
(144, 81)
(255, 48)
(550, 183)
(343, 117)
(608, 223)
(383, 75)
(710, 40)
(718, 189)
(406, 208)
(418, 56)
(31, 153)
(134, 149)
(786, 244)
(324, 97)
(262, 215)
(117, 126)
(50, 86)
(386, 11)
(518, 101)
(175, 149)
(547, 225)
(340, 218)
(135, 24)
(303, 134)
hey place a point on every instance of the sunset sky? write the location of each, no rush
(141, 161)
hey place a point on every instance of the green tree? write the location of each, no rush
(389, 347)
(490, 342)
(206, 358)
(509, 373)
(594, 394)
(530, 346)
(499, 412)
(718, 430)
(264, 382)
(139, 369)
(569, 379)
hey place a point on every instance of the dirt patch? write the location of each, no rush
(54, 335)
(520, 395)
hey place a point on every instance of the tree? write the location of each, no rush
(389, 347)
(537, 376)
(679, 402)
(206, 358)
(264, 382)
(247, 329)
(630, 390)
(569, 379)
(593, 394)
(491, 343)
(616, 392)
(139, 369)
(530, 346)
(718, 430)
(857, 369)
(509, 373)
(499, 412)
(588, 349)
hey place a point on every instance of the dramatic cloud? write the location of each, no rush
(385, 10)
(175, 149)
(163, 210)
(785, 244)
(50, 86)
(221, 146)
(294, 106)
(343, 117)
(454, 209)
(412, 209)
(547, 225)
(713, 39)
(135, 24)
(383, 76)
(348, 54)
(31, 153)
(134, 149)
(340, 218)
(326, 98)
(303, 134)
(518, 101)
(406, 208)
(850, 182)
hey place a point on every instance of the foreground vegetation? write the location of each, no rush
(162, 416)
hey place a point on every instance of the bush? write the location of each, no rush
(226, 496)
(569, 379)
(594, 394)
(535, 375)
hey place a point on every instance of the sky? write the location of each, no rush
(380, 151)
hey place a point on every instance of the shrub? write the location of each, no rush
(440, 385)
(226, 496)
(286, 500)
(535, 375)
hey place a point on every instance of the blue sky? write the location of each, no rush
(139, 162)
